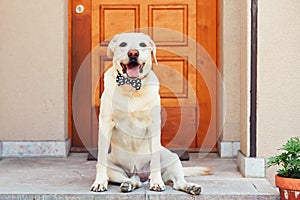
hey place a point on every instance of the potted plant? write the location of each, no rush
(287, 178)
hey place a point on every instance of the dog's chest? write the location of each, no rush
(133, 111)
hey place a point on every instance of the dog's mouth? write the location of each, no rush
(132, 69)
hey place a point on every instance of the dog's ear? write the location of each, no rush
(153, 49)
(111, 46)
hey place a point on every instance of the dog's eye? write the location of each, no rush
(123, 44)
(142, 44)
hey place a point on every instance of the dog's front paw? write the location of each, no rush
(100, 185)
(157, 186)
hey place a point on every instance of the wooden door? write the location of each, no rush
(183, 90)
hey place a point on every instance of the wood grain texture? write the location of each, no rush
(179, 127)
(81, 47)
(196, 19)
(207, 36)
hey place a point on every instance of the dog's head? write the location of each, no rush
(131, 53)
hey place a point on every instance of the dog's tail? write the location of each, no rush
(197, 171)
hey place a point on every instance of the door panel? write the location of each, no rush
(180, 82)
(177, 85)
(105, 24)
(174, 17)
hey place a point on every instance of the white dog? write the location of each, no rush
(130, 123)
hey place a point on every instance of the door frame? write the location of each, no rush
(213, 50)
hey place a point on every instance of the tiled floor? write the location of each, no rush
(45, 178)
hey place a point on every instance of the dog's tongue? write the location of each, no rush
(133, 72)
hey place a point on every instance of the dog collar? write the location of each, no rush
(135, 83)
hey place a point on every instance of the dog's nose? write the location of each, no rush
(133, 53)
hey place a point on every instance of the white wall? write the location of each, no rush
(278, 111)
(33, 70)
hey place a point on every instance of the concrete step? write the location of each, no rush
(68, 179)
(140, 194)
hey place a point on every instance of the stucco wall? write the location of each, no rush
(278, 112)
(245, 34)
(33, 70)
(230, 66)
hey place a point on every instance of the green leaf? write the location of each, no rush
(289, 160)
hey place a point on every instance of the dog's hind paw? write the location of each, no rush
(194, 189)
(126, 187)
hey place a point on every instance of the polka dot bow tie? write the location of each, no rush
(135, 83)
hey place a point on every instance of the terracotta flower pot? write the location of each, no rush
(289, 188)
